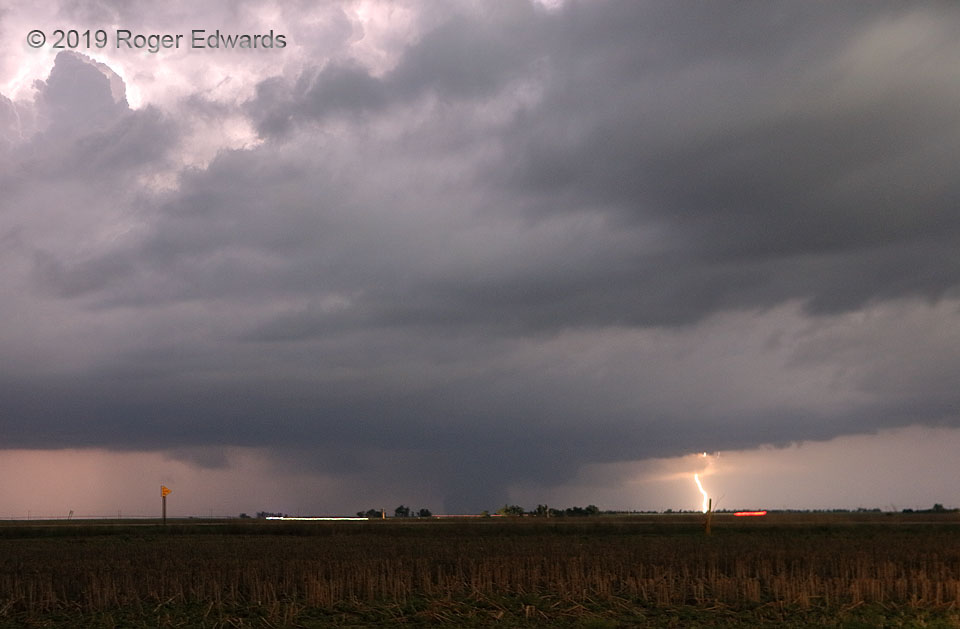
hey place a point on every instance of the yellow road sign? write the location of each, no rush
(163, 491)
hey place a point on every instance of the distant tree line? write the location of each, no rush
(543, 511)
(400, 512)
(936, 508)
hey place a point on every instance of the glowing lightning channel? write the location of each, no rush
(706, 499)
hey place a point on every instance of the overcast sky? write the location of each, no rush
(457, 254)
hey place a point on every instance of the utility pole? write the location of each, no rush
(706, 524)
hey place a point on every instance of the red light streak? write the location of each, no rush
(749, 513)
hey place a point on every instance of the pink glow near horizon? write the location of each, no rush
(51, 483)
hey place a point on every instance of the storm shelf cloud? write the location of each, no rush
(479, 249)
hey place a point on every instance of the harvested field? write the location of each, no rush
(655, 570)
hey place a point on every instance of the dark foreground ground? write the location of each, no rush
(785, 570)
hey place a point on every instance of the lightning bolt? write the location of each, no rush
(706, 499)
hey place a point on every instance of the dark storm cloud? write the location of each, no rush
(75, 179)
(540, 239)
(769, 158)
(765, 154)
(459, 59)
(77, 96)
(88, 130)
(8, 120)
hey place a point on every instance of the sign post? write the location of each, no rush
(163, 495)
